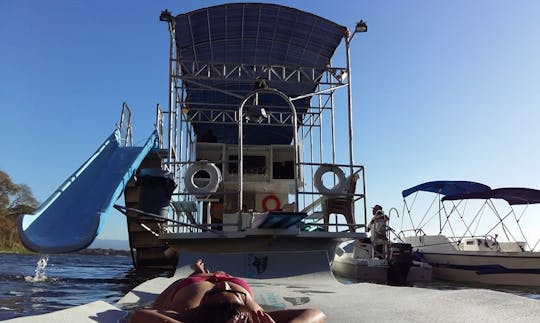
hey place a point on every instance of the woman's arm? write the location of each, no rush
(308, 315)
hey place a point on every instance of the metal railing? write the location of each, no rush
(124, 126)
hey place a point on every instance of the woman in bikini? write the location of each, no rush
(216, 297)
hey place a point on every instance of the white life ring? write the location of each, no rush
(341, 181)
(202, 166)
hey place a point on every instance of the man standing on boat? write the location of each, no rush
(378, 227)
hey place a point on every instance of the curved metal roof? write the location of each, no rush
(251, 34)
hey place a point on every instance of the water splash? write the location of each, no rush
(40, 270)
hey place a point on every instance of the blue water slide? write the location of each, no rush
(73, 215)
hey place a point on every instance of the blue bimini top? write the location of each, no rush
(512, 195)
(447, 188)
(267, 41)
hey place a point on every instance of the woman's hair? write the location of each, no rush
(218, 312)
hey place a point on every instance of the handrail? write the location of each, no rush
(152, 216)
(159, 125)
(124, 127)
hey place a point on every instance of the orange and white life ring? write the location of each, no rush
(276, 203)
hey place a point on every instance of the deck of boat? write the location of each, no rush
(290, 280)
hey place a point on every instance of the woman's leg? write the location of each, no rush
(198, 267)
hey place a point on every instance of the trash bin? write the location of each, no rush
(156, 188)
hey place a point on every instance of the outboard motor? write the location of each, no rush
(399, 261)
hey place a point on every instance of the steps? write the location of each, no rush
(147, 250)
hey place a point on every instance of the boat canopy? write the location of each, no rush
(512, 195)
(447, 188)
(234, 48)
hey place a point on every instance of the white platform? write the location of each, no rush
(292, 280)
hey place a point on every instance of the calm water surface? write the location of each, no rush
(74, 279)
(71, 279)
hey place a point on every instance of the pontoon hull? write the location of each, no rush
(450, 262)
(520, 268)
(376, 270)
(257, 242)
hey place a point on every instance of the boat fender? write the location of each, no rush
(277, 203)
(202, 166)
(341, 181)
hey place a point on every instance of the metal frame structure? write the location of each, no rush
(180, 138)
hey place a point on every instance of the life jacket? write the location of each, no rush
(378, 226)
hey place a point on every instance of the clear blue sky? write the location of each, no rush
(442, 89)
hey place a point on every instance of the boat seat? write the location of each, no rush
(341, 204)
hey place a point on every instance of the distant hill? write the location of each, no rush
(110, 244)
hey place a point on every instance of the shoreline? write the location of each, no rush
(88, 251)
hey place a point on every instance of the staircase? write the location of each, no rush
(147, 250)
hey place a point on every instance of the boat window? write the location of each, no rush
(470, 242)
(283, 170)
(253, 165)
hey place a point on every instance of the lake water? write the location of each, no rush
(75, 279)
(71, 279)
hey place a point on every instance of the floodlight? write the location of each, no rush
(256, 113)
(166, 16)
(342, 76)
(339, 74)
(361, 27)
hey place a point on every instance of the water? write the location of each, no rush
(40, 271)
(62, 281)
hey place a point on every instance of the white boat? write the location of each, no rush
(236, 162)
(355, 261)
(501, 255)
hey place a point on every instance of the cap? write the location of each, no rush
(377, 207)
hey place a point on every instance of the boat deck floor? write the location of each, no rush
(291, 280)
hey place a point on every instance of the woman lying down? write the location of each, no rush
(216, 297)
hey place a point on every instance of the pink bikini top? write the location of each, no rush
(214, 278)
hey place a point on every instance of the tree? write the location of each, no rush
(7, 189)
(23, 201)
(14, 201)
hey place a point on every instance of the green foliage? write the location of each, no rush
(14, 201)
(23, 202)
(7, 188)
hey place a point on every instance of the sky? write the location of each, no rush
(442, 90)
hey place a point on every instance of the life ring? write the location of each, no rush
(202, 166)
(274, 198)
(318, 181)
